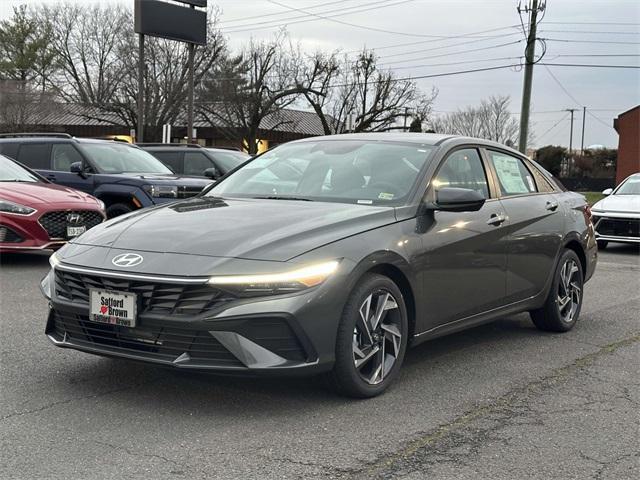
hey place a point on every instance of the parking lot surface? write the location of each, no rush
(499, 401)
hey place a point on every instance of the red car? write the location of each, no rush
(36, 214)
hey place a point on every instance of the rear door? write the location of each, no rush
(535, 223)
(195, 163)
(174, 159)
(35, 155)
(464, 262)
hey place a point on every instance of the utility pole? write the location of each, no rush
(570, 110)
(192, 52)
(584, 114)
(406, 112)
(140, 130)
(530, 54)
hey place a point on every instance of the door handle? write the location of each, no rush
(552, 206)
(497, 219)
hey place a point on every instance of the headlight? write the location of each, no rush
(9, 207)
(53, 260)
(274, 283)
(161, 191)
(101, 204)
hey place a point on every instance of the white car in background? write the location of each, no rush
(617, 216)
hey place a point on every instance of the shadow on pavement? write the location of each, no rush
(26, 259)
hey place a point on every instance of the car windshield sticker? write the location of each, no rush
(365, 202)
(385, 196)
(509, 172)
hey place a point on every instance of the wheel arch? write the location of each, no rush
(572, 242)
(395, 267)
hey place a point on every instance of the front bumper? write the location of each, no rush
(617, 228)
(288, 334)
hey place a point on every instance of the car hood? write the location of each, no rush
(36, 193)
(619, 204)
(166, 179)
(276, 230)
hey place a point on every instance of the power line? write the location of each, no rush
(441, 47)
(567, 40)
(305, 18)
(490, 47)
(592, 23)
(234, 20)
(463, 62)
(555, 124)
(591, 32)
(591, 65)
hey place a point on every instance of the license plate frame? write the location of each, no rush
(108, 306)
(73, 232)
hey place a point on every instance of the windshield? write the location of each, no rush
(631, 186)
(347, 171)
(12, 172)
(227, 161)
(119, 158)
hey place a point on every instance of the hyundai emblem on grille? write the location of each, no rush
(127, 260)
(74, 218)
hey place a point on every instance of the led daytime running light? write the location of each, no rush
(308, 276)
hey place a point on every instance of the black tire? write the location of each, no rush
(602, 244)
(555, 315)
(118, 209)
(345, 378)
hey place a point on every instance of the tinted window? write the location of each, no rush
(9, 149)
(63, 155)
(226, 161)
(347, 171)
(463, 169)
(171, 159)
(195, 163)
(35, 155)
(631, 186)
(513, 176)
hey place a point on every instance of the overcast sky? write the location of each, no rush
(595, 30)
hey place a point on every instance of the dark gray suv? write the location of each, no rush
(329, 255)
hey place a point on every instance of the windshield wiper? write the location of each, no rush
(279, 197)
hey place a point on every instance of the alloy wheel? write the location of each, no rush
(377, 337)
(569, 290)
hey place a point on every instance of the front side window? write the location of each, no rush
(463, 169)
(173, 160)
(195, 163)
(346, 171)
(63, 155)
(119, 158)
(35, 155)
(631, 186)
(513, 176)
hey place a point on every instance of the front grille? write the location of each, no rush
(157, 342)
(161, 298)
(9, 236)
(55, 223)
(618, 227)
(188, 192)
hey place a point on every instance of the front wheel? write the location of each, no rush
(562, 307)
(372, 338)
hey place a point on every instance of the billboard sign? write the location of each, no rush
(168, 20)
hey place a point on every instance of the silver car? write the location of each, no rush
(617, 217)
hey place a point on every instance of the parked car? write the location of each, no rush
(329, 255)
(36, 214)
(194, 160)
(617, 217)
(123, 176)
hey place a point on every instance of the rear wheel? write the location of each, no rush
(118, 209)
(372, 338)
(562, 307)
(602, 244)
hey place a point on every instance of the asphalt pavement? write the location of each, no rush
(499, 401)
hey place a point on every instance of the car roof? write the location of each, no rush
(434, 139)
(50, 139)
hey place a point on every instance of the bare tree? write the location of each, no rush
(491, 120)
(259, 82)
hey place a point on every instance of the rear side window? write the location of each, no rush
(513, 176)
(9, 150)
(63, 155)
(541, 181)
(35, 155)
(463, 169)
(173, 160)
(195, 163)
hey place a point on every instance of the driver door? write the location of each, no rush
(465, 258)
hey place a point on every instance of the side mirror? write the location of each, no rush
(212, 173)
(76, 167)
(457, 200)
(608, 191)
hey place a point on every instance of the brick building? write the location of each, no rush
(628, 127)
